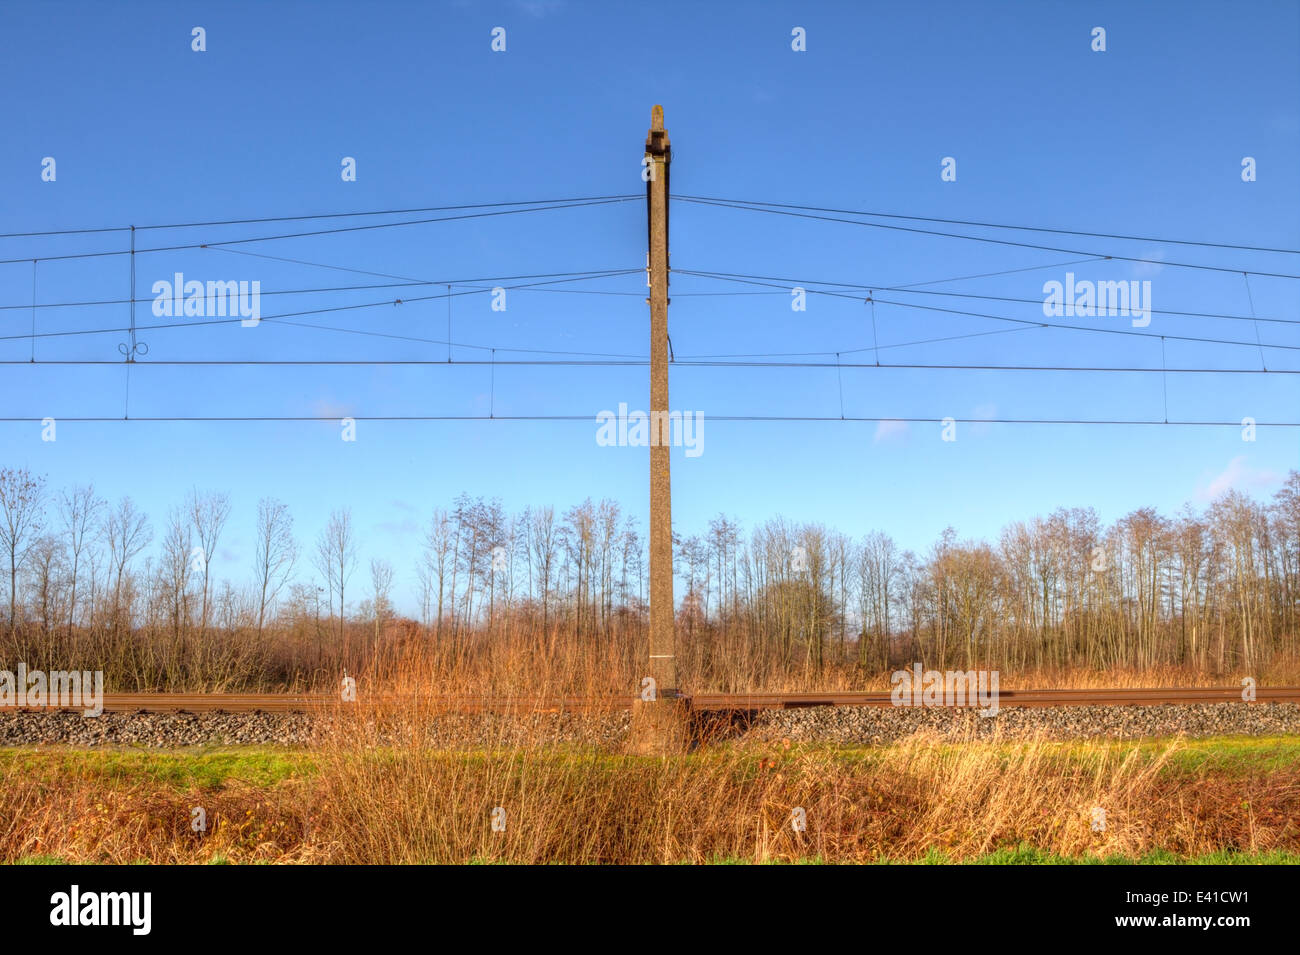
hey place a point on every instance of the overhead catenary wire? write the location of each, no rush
(998, 225)
(200, 322)
(911, 290)
(89, 230)
(988, 239)
(1085, 328)
(719, 199)
(605, 359)
(745, 278)
(989, 275)
(1251, 301)
(321, 215)
(920, 341)
(195, 323)
(300, 235)
(33, 309)
(1037, 322)
(411, 283)
(591, 417)
(614, 360)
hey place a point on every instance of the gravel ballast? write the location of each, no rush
(885, 724)
(849, 724)
(165, 730)
(154, 729)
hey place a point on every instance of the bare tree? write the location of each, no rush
(127, 533)
(878, 568)
(208, 513)
(381, 582)
(1216, 588)
(437, 550)
(606, 536)
(276, 553)
(578, 535)
(542, 539)
(1286, 511)
(336, 558)
(178, 562)
(78, 510)
(45, 570)
(21, 496)
(496, 561)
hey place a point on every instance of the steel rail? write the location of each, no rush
(1141, 696)
(736, 702)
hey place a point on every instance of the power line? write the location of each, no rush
(1035, 322)
(711, 363)
(872, 348)
(317, 265)
(997, 225)
(333, 419)
(715, 199)
(913, 291)
(279, 319)
(301, 218)
(630, 361)
(979, 238)
(901, 288)
(301, 235)
(1085, 328)
(595, 291)
(414, 281)
(361, 362)
(989, 275)
(198, 323)
(593, 273)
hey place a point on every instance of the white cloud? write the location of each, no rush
(888, 430)
(983, 412)
(329, 408)
(540, 8)
(404, 528)
(1237, 476)
(1148, 268)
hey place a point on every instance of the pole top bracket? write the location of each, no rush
(656, 141)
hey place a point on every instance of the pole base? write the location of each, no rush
(661, 728)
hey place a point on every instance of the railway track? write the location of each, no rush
(710, 702)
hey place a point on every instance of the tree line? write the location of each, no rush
(96, 584)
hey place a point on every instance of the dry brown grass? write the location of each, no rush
(525, 663)
(1282, 671)
(401, 802)
(518, 656)
(379, 792)
(900, 802)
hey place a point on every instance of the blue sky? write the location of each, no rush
(1146, 138)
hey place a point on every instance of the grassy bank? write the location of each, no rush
(1023, 856)
(353, 801)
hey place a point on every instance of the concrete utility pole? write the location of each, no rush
(663, 661)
